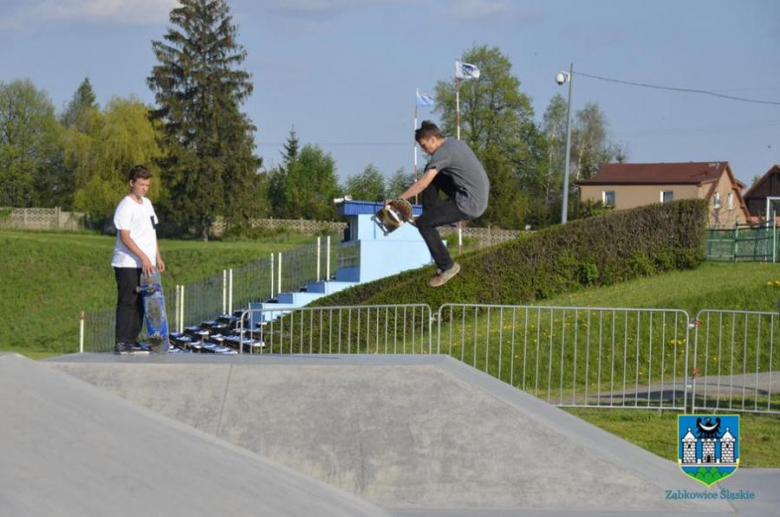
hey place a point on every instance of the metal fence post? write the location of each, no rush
(736, 236)
(319, 251)
(176, 324)
(327, 258)
(224, 290)
(230, 292)
(272, 275)
(81, 332)
(279, 273)
(181, 320)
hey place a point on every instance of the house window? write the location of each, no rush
(608, 197)
(730, 201)
(716, 200)
(667, 196)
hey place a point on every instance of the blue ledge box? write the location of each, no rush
(375, 255)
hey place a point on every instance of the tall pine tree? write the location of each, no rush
(77, 112)
(210, 168)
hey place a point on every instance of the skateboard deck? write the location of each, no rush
(393, 215)
(154, 313)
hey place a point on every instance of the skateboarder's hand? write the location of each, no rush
(160, 263)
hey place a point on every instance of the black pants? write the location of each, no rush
(129, 304)
(438, 213)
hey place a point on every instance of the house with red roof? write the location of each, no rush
(767, 186)
(629, 185)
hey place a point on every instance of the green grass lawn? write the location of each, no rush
(47, 278)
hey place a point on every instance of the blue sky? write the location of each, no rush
(344, 72)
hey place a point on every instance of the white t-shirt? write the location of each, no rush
(141, 220)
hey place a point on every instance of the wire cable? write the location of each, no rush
(672, 88)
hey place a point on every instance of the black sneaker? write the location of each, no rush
(122, 348)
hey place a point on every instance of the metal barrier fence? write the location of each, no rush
(743, 243)
(575, 356)
(371, 329)
(734, 360)
(568, 356)
(96, 331)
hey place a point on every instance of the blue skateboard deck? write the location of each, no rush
(154, 311)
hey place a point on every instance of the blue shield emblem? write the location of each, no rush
(708, 446)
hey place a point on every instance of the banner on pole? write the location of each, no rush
(466, 71)
(424, 100)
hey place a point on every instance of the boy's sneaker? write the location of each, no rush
(442, 278)
(138, 349)
(122, 348)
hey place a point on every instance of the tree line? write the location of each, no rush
(200, 144)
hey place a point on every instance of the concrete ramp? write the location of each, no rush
(68, 448)
(417, 435)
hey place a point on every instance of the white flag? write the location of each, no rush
(424, 100)
(466, 71)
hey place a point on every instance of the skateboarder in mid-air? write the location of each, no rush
(135, 253)
(456, 171)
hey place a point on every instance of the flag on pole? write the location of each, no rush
(424, 100)
(466, 71)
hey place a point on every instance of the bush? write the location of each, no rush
(602, 250)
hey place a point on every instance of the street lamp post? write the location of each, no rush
(561, 78)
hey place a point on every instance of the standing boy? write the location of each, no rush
(455, 170)
(135, 252)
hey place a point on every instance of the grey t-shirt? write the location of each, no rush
(456, 159)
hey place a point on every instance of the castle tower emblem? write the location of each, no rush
(708, 446)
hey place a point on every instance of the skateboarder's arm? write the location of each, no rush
(135, 250)
(420, 184)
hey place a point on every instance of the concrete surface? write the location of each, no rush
(419, 435)
(68, 448)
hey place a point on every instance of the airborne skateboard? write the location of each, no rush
(154, 310)
(393, 215)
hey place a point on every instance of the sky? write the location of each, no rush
(344, 72)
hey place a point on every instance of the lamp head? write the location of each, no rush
(560, 78)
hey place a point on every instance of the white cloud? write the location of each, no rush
(504, 12)
(118, 11)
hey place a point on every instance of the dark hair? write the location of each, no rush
(139, 172)
(427, 129)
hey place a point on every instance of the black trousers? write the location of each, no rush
(438, 213)
(129, 304)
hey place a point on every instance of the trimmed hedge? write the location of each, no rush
(601, 251)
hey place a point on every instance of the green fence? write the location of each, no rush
(743, 243)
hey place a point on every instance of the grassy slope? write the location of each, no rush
(741, 286)
(47, 278)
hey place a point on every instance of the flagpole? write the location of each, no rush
(457, 104)
(415, 141)
(457, 117)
